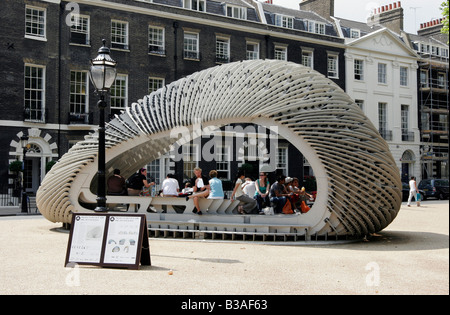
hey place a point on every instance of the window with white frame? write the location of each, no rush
(236, 12)
(360, 104)
(191, 157)
(119, 34)
(354, 33)
(222, 49)
(79, 30)
(403, 76)
(35, 22)
(382, 121)
(435, 50)
(424, 48)
(191, 46)
(284, 21)
(425, 121)
(34, 93)
(382, 73)
(158, 169)
(119, 94)
(156, 39)
(154, 171)
(405, 122)
(431, 49)
(154, 84)
(443, 122)
(441, 79)
(282, 160)
(424, 78)
(316, 27)
(196, 5)
(308, 58)
(358, 66)
(252, 51)
(281, 53)
(223, 160)
(333, 69)
(78, 92)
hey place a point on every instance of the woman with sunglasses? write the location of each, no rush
(262, 192)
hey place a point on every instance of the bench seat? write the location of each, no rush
(164, 204)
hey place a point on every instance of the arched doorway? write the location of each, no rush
(41, 150)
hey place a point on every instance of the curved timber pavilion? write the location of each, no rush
(358, 183)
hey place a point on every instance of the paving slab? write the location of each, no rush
(410, 257)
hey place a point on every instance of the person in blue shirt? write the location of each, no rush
(215, 185)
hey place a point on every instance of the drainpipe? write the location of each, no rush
(175, 55)
(58, 81)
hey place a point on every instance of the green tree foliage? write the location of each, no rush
(444, 9)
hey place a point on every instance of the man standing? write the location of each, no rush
(413, 191)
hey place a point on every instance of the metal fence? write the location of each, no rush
(8, 198)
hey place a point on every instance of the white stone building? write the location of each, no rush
(381, 76)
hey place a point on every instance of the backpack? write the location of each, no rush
(134, 181)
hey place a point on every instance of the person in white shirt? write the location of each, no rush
(249, 187)
(413, 191)
(170, 186)
(187, 188)
(247, 204)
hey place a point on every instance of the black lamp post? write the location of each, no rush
(24, 144)
(102, 74)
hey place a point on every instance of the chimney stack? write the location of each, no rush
(389, 16)
(324, 8)
(433, 28)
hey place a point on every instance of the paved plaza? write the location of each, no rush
(410, 257)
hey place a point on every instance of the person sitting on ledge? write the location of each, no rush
(278, 194)
(137, 182)
(248, 204)
(215, 185)
(170, 186)
(116, 184)
(201, 189)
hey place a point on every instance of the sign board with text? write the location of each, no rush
(109, 240)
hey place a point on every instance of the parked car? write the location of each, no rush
(405, 190)
(436, 188)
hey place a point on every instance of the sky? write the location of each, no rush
(415, 11)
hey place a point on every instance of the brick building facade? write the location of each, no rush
(47, 46)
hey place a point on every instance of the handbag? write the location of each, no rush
(287, 209)
(304, 207)
(145, 192)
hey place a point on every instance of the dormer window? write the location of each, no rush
(284, 21)
(195, 5)
(354, 33)
(237, 12)
(425, 48)
(316, 27)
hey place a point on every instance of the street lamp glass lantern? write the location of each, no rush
(103, 70)
(24, 142)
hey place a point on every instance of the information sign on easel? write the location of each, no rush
(109, 240)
